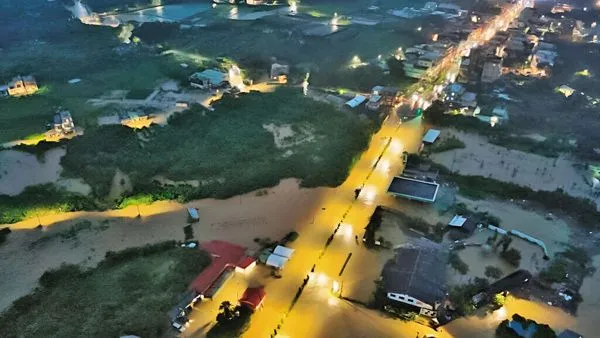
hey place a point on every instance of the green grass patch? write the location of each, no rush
(129, 293)
(227, 149)
(39, 200)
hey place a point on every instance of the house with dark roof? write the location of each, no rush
(416, 276)
(569, 334)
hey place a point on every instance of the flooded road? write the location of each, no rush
(28, 252)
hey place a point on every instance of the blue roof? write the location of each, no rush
(431, 136)
(521, 331)
(214, 76)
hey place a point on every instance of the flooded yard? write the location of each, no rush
(272, 214)
(482, 158)
(18, 170)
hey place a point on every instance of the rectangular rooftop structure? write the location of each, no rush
(414, 189)
(431, 135)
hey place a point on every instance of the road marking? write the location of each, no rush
(345, 263)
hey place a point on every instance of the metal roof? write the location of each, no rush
(418, 269)
(431, 136)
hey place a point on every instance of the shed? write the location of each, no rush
(193, 214)
(431, 136)
(276, 261)
(457, 221)
(283, 251)
(356, 101)
(253, 297)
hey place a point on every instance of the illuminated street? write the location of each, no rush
(373, 173)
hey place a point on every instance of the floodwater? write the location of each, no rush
(587, 314)
(271, 215)
(482, 158)
(18, 170)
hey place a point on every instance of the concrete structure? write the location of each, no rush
(492, 70)
(22, 86)
(416, 276)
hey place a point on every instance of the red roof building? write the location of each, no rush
(253, 297)
(225, 257)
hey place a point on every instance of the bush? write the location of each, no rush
(512, 256)
(477, 187)
(493, 272)
(66, 273)
(4, 234)
(446, 144)
(457, 263)
(41, 199)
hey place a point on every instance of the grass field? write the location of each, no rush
(130, 292)
(227, 150)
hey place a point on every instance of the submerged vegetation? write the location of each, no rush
(128, 293)
(212, 146)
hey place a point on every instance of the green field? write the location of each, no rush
(129, 293)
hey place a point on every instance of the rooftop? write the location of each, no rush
(414, 189)
(224, 255)
(418, 269)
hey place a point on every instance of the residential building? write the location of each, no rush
(63, 122)
(492, 70)
(226, 258)
(22, 86)
(209, 78)
(279, 72)
(416, 276)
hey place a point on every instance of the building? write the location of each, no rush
(569, 334)
(416, 276)
(253, 298)
(492, 70)
(384, 97)
(498, 115)
(63, 122)
(227, 258)
(414, 189)
(279, 72)
(22, 86)
(209, 78)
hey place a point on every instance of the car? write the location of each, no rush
(180, 323)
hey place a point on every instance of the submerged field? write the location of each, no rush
(231, 150)
(130, 292)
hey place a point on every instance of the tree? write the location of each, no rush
(506, 242)
(227, 312)
(512, 256)
(492, 272)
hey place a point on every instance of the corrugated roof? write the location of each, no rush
(224, 254)
(418, 269)
(253, 297)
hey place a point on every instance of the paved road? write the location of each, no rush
(318, 313)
